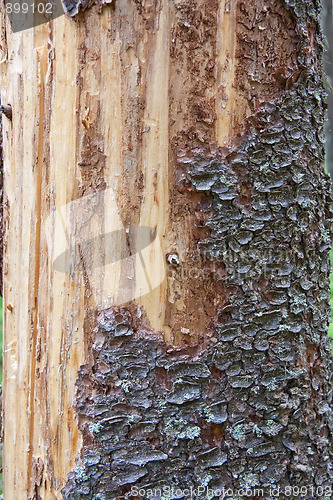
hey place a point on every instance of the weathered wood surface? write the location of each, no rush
(194, 118)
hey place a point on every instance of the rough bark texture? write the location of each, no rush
(206, 118)
(327, 22)
(251, 406)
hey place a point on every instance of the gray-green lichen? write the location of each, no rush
(74, 7)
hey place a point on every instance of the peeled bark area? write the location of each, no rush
(206, 120)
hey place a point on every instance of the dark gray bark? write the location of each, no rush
(327, 21)
(252, 406)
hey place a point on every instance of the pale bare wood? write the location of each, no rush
(232, 108)
(43, 332)
(155, 163)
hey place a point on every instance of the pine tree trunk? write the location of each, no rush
(167, 230)
(327, 22)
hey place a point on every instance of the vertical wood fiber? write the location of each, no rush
(206, 120)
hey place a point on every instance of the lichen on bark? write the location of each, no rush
(256, 400)
(251, 407)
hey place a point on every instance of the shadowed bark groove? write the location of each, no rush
(249, 405)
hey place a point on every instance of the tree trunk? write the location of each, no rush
(167, 230)
(327, 22)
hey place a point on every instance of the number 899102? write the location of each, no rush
(25, 7)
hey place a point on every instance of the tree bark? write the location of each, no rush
(166, 251)
(327, 22)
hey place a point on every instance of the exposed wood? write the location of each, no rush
(43, 341)
(226, 60)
